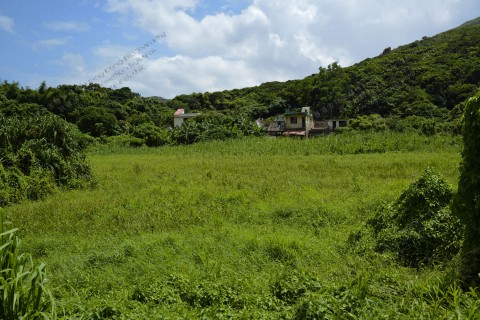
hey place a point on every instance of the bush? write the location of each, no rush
(466, 204)
(13, 186)
(152, 135)
(38, 153)
(426, 126)
(372, 122)
(98, 121)
(419, 227)
(214, 128)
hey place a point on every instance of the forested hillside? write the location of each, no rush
(416, 85)
(429, 78)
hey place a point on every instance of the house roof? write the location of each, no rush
(274, 127)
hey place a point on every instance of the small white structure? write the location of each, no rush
(180, 116)
(336, 123)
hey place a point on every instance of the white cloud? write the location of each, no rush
(67, 26)
(183, 74)
(6, 23)
(266, 41)
(272, 39)
(111, 51)
(51, 43)
(74, 61)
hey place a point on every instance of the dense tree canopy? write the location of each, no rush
(420, 86)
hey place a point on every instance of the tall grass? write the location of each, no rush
(346, 143)
(255, 228)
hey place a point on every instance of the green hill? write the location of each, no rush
(471, 23)
(428, 77)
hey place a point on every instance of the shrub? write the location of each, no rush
(13, 186)
(98, 121)
(419, 227)
(466, 204)
(37, 153)
(214, 128)
(152, 135)
(372, 122)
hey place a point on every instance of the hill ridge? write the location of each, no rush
(470, 23)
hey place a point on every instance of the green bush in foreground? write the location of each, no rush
(22, 284)
(38, 153)
(419, 227)
(466, 204)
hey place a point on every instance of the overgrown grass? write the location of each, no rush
(347, 143)
(254, 229)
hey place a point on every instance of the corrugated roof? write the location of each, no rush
(293, 133)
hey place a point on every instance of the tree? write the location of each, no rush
(466, 204)
(97, 122)
(152, 135)
(10, 90)
(328, 90)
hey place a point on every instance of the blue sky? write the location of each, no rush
(171, 47)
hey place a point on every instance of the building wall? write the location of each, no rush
(299, 124)
(333, 124)
(290, 125)
(177, 121)
(309, 123)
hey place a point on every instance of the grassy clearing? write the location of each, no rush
(255, 228)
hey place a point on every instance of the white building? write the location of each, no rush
(180, 116)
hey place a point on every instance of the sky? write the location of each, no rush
(171, 47)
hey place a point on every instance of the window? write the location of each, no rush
(293, 120)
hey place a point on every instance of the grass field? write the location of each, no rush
(250, 229)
